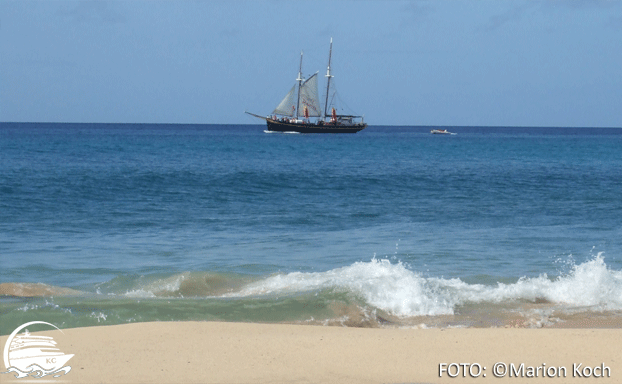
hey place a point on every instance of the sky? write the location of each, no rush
(444, 63)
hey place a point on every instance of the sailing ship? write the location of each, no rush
(300, 109)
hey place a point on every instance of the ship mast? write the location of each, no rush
(299, 79)
(328, 75)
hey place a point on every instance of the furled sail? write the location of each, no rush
(287, 106)
(309, 97)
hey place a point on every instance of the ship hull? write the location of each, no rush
(279, 126)
(49, 362)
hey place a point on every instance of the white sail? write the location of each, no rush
(302, 103)
(287, 106)
(309, 97)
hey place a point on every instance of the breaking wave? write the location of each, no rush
(399, 291)
(379, 284)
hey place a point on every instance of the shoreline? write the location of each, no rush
(223, 352)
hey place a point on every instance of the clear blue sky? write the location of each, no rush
(518, 63)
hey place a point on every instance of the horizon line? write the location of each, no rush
(370, 125)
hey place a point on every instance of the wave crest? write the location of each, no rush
(401, 292)
(36, 371)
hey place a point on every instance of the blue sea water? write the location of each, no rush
(392, 226)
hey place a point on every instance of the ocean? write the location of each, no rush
(105, 224)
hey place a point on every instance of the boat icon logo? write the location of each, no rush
(28, 355)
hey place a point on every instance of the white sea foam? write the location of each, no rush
(100, 316)
(290, 132)
(391, 287)
(402, 292)
(590, 284)
(158, 287)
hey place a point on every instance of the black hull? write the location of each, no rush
(279, 126)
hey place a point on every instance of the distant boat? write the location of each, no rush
(301, 103)
(441, 132)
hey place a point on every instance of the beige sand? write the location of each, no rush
(213, 352)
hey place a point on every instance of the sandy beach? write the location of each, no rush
(216, 352)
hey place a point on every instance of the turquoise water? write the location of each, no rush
(115, 223)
